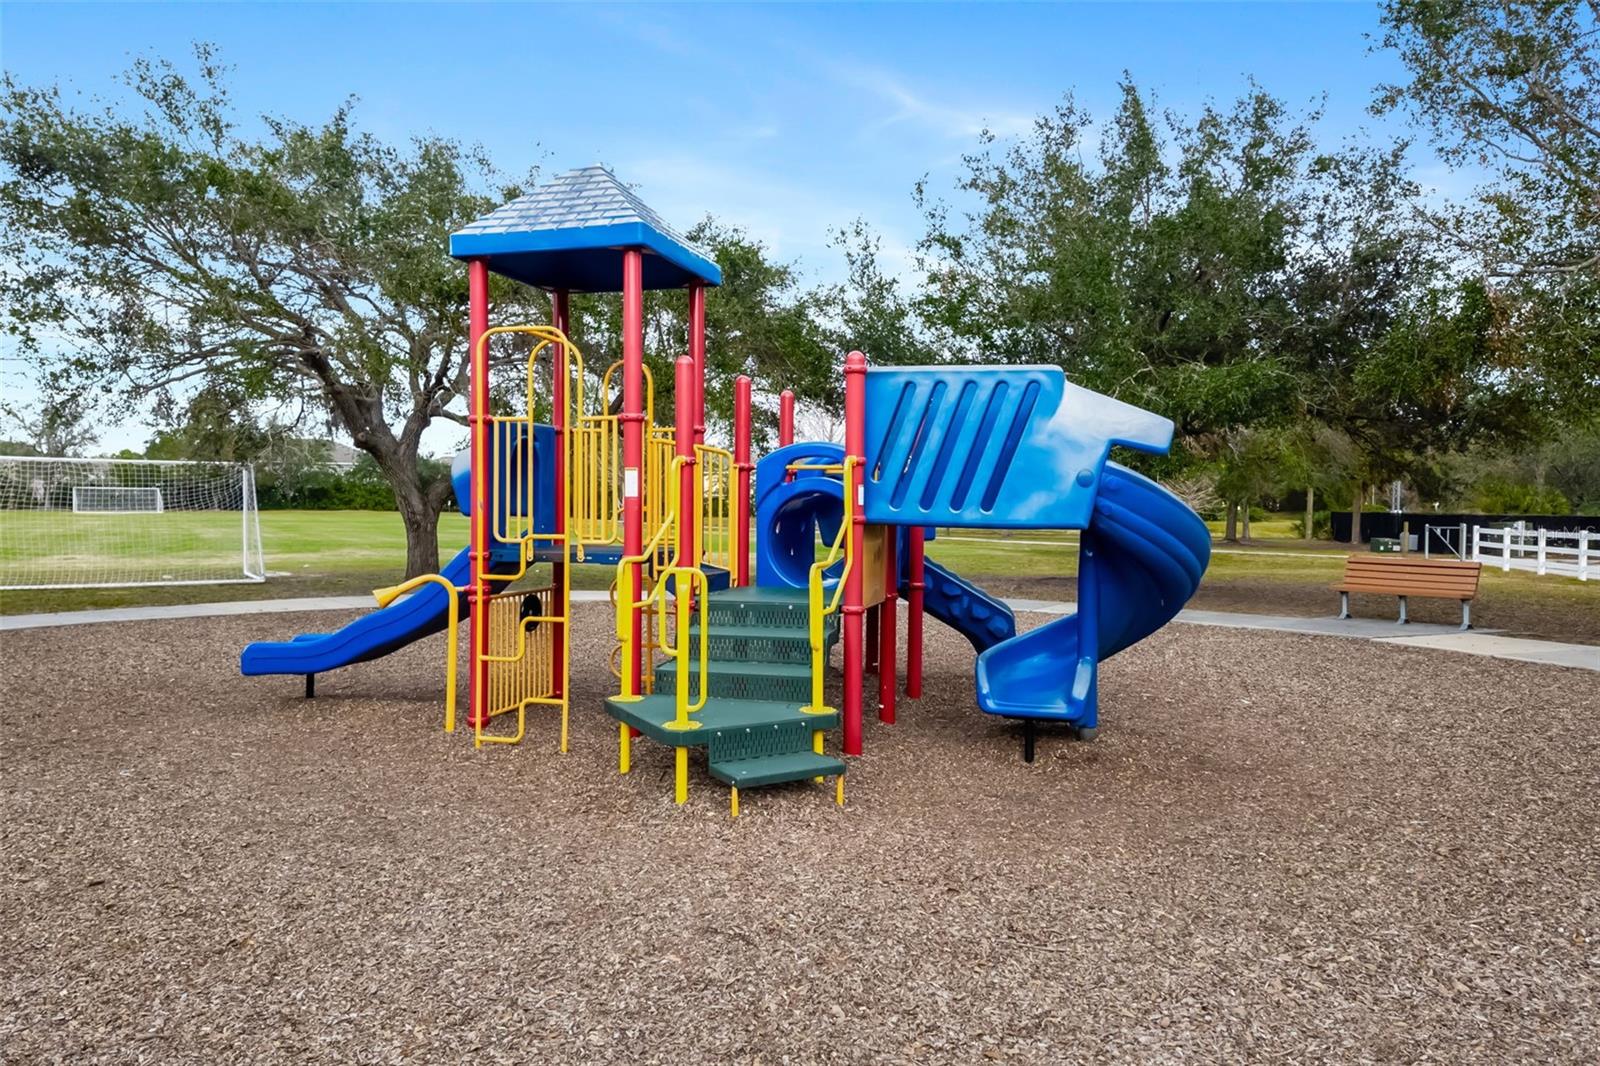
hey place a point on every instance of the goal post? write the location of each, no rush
(110, 523)
(116, 499)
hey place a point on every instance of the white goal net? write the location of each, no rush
(100, 523)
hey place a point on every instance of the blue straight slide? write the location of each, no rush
(961, 605)
(372, 636)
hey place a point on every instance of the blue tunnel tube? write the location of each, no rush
(792, 514)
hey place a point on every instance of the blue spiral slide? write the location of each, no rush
(1007, 448)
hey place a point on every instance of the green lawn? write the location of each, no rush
(323, 553)
(308, 553)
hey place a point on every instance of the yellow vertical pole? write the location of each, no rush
(680, 784)
(624, 748)
(733, 802)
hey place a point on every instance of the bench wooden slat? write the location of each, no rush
(1422, 585)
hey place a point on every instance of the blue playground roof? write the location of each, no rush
(571, 233)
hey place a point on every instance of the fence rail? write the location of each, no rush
(1542, 551)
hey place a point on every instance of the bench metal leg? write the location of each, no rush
(1402, 611)
(1344, 605)
(1466, 615)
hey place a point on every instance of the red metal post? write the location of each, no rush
(632, 419)
(916, 581)
(886, 628)
(560, 318)
(683, 439)
(855, 439)
(785, 418)
(697, 352)
(741, 464)
(478, 419)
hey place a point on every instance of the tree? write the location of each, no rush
(1514, 89)
(62, 425)
(1154, 272)
(216, 424)
(306, 265)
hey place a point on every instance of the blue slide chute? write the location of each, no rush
(427, 610)
(1139, 562)
(372, 636)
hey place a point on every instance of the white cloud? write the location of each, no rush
(909, 106)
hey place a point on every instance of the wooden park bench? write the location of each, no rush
(1409, 575)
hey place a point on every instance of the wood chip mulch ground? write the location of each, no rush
(1280, 849)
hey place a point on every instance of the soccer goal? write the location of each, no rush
(105, 523)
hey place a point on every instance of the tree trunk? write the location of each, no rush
(1355, 514)
(1230, 532)
(419, 513)
(1245, 521)
(1311, 513)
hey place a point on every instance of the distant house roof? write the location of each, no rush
(571, 233)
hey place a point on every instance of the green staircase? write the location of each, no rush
(759, 670)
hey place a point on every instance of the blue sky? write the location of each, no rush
(790, 120)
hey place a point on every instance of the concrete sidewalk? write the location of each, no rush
(1416, 634)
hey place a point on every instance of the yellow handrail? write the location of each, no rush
(845, 544)
(386, 596)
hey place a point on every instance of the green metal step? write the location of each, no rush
(774, 769)
(770, 608)
(651, 714)
(781, 682)
(771, 644)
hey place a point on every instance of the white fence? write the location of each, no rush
(1542, 551)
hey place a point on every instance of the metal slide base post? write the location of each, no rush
(311, 686)
(1030, 733)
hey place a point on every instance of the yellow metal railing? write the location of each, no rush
(386, 596)
(689, 592)
(843, 544)
(716, 533)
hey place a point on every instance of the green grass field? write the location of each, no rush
(325, 553)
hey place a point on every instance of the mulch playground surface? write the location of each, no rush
(1280, 848)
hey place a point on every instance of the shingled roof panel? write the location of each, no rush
(570, 234)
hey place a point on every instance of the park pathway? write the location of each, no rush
(1415, 635)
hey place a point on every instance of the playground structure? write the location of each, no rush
(704, 658)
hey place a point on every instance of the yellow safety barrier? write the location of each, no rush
(716, 533)
(521, 672)
(386, 596)
(843, 544)
(521, 662)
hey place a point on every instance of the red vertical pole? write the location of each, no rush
(560, 318)
(786, 418)
(478, 419)
(697, 352)
(632, 419)
(855, 439)
(683, 439)
(887, 623)
(741, 465)
(916, 580)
